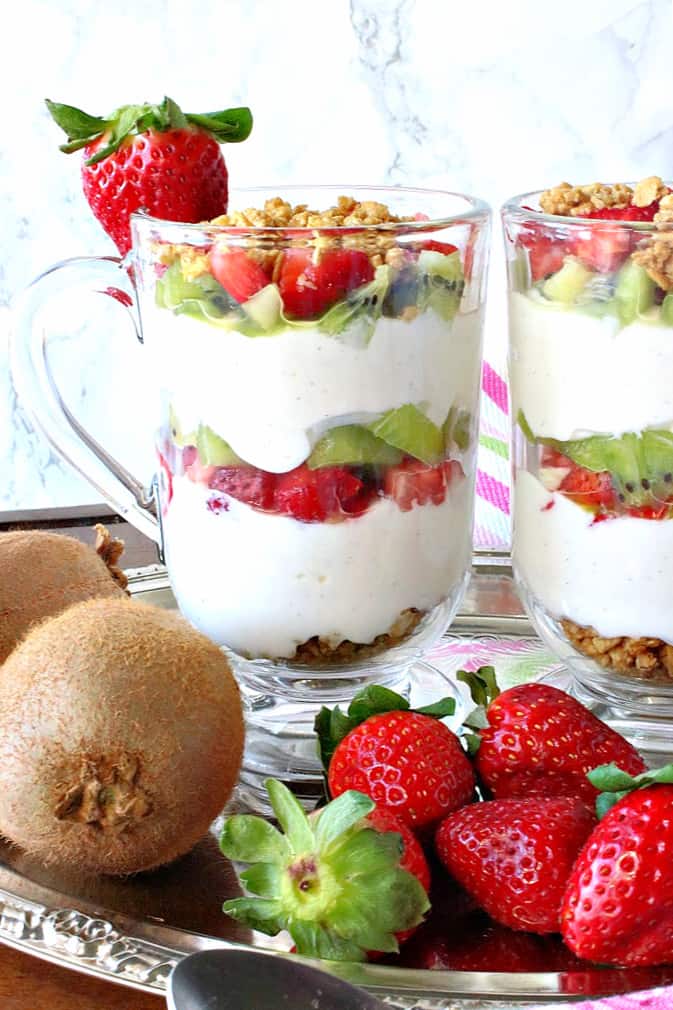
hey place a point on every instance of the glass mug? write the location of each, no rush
(591, 374)
(314, 490)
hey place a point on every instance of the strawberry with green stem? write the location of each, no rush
(535, 740)
(618, 906)
(336, 883)
(406, 759)
(154, 158)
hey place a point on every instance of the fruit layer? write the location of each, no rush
(263, 584)
(615, 576)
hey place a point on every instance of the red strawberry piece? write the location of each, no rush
(475, 942)
(152, 157)
(445, 248)
(545, 254)
(245, 483)
(413, 858)
(238, 273)
(408, 761)
(541, 742)
(412, 483)
(618, 907)
(311, 280)
(515, 856)
(588, 487)
(316, 495)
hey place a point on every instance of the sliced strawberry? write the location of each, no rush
(414, 483)
(441, 247)
(315, 495)
(661, 510)
(245, 483)
(605, 249)
(545, 254)
(238, 273)
(589, 488)
(312, 280)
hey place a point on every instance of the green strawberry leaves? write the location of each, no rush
(331, 880)
(229, 126)
(615, 784)
(332, 725)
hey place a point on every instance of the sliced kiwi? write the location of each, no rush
(456, 429)
(263, 309)
(408, 429)
(202, 297)
(641, 465)
(440, 282)
(179, 437)
(568, 283)
(213, 450)
(352, 445)
(363, 305)
(634, 292)
(667, 310)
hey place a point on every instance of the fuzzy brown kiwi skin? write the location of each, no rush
(43, 573)
(121, 735)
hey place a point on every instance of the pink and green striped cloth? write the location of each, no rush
(492, 511)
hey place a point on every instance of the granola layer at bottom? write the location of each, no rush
(318, 651)
(644, 658)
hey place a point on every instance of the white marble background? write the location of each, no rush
(486, 97)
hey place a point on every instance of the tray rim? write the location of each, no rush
(80, 936)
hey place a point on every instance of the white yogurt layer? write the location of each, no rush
(572, 373)
(263, 584)
(615, 575)
(271, 398)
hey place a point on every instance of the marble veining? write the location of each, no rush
(486, 98)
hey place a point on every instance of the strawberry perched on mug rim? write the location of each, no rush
(515, 856)
(405, 759)
(536, 740)
(618, 906)
(154, 158)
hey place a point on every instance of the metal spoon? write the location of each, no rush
(247, 980)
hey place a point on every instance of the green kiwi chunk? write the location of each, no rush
(352, 445)
(213, 450)
(634, 292)
(457, 429)
(441, 282)
(363, 306)
(667, 310)
(408, 429)
(264, 309)
(568, 283)
(179, 437)
(201, 297)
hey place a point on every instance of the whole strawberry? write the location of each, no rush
(407, 760)
(515, 856)
(538, 741)
(618, 907)
(341, 881)
(152, 157)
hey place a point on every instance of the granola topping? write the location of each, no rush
(656, 255)
(278, 213)
(578, 201)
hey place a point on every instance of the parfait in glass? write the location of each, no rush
(591, 371)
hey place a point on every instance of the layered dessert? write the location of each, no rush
(321, 382)
(591, 369)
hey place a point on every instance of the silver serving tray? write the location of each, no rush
(133, 931)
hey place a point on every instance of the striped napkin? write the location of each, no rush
(492, 511)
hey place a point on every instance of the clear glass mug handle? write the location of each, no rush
(42, 401)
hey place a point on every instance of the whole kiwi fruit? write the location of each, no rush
(43, 573)
(121, 735)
